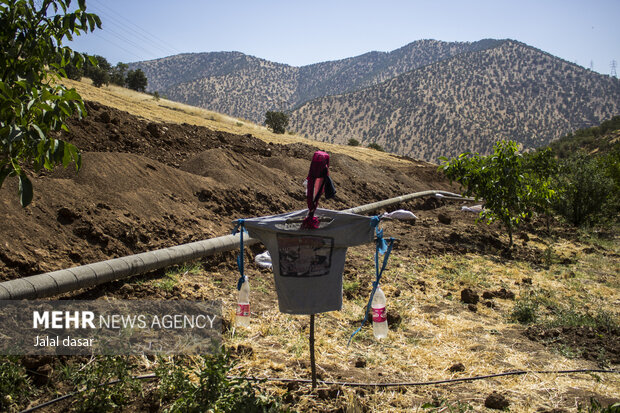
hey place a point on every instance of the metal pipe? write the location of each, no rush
(58, 282)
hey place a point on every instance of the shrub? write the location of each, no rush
(100, 394)
(587, 189)
(214, 390)
(525, 310)
(14, 384)
(277, 121)
(375, 146)
(353, 142)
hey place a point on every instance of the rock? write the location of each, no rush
(505, 294)
(488, 295)
(444, 219)
(42, 375)
(153, 130)
(472, 307)
(457, 367)
(360, 363)
(468, 296)
(34, 362)
(393, 318)
(243, 350)
(328, 393)
(496, 401)
(501, 293)
(104, 117)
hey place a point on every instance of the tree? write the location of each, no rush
(32, 100)
(99, 77)
(277, 121)
(118, 76)
(136, 80)
(99, 71)
(375, 146)
(502, 179)
(541, 169)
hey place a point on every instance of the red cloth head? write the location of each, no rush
(319, 170)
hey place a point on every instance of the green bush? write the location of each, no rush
(14, 384)
(375, 146)
(213, 391)
(107, 385)
(525, 310)
(353, 142)
(587, 191)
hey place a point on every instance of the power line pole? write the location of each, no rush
(613, 65)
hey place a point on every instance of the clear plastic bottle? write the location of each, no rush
(379, 314)
(243, 305)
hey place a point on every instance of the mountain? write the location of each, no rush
(425, 100)
(466, 103)
(247, 87)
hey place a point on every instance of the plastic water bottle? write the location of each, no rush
(379, 315)
(243, 305)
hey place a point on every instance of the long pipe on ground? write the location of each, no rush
(58, 282)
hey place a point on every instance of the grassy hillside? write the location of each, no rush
(466, 104)
(597, 140)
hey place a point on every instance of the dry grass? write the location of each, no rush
(163, 110)
(436, 332)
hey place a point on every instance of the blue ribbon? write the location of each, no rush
(382, 247)
(239, 227)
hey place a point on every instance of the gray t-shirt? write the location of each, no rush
(308, 264)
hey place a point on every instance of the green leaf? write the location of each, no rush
(67, 155)
(39, 132)
(25, 190)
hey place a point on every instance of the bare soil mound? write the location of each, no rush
(148, 185)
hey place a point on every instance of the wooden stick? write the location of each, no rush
(312, 361)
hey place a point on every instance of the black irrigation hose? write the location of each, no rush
(428, 383)
(350, 384)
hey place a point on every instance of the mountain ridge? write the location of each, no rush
(207, 79)
(434, 110)
(443, 117)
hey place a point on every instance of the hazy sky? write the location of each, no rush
(298, 33)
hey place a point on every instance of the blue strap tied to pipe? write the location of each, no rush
(239, 227)
(383, 248)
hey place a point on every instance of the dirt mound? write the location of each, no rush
(148, 185)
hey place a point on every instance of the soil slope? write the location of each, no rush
(148, 185)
